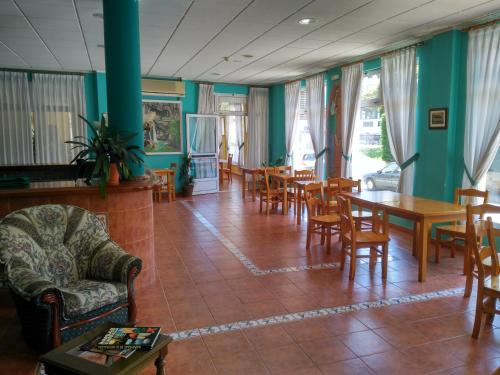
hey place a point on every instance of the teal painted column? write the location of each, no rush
(123, 70)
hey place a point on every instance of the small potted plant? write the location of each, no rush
(110, 153)
(186, 179)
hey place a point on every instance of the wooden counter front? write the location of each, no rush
(128, 207)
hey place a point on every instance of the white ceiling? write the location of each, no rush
(190, 38)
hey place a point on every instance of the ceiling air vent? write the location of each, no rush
(162, 87)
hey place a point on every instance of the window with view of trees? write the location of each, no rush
(371, 153)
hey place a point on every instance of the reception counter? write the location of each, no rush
(128, 209)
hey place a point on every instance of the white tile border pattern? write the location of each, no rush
(247, 262)
(327, 311)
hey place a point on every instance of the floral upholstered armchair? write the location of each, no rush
(65, 273)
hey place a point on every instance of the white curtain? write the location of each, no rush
(204, 137)
(292, 91)
(16, 142)
(317, 120)
(240, 138)
(351, 78)
(399, 91)
(482, 114)
(258, 127)
(57, 100)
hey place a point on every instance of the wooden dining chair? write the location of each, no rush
(455, 231)
(228, 169)
(474, 215)
(304, 175)
(353, 239)
(271, 195)
(338, 185)
(488, 285)
(317, 220)
(283, 169)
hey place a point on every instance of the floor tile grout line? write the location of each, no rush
(310, 314)
(256, 271)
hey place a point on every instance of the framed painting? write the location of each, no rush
(438, 118)
(162, 126)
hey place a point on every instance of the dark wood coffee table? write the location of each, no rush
(64, 360)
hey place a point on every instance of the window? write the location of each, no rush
(231, 104)
(38, 116)
(236, 129)
(233, 112)
(303, 156)
(370, 150)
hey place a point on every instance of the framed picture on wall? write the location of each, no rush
(162, 126)
(438, 118)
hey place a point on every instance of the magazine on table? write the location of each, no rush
(143, 338)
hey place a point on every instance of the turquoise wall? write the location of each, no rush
(442, 69)
(277, 146)
(95, 92)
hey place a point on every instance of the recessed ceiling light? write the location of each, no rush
(216, 74)
(98, 15)
(307, 21)
(100, 45)
(247, 56)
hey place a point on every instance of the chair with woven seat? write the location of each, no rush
(456, 230)
(317, 220)
(271, 195)
(228, 170)
(353, 239)
(488, 286)
(474, 215)
(65, 274)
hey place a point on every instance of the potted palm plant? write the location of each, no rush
(110, 152)
(186, 179)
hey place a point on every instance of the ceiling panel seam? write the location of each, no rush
(15, 54)
(259, 36)
(170, 37)
(293, 41)
(82, 34)
(215, 36)
(335, 41)
(37, 33)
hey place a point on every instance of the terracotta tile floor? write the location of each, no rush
(201, 283)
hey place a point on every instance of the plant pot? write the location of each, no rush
(114, 175)
(187, 190)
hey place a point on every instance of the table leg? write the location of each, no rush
(160, 362)
(415, 238)
(285, 197)
(299, 204)
(422, 248)
(254, 186)
(244, 182)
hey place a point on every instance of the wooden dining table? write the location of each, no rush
(254, 172)
(423, 212)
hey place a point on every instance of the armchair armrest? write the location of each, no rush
(110, 262)
(27, 283)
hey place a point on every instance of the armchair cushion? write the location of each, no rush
(83, 296)
(111, 263)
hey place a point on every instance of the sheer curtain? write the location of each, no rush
(240, 138)
(204, 134)
(316, 116)
(292, 90)
(258, 126)
(482, 114)
(399, 91)
(57, 100)
(351, 93)
(16, 142)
